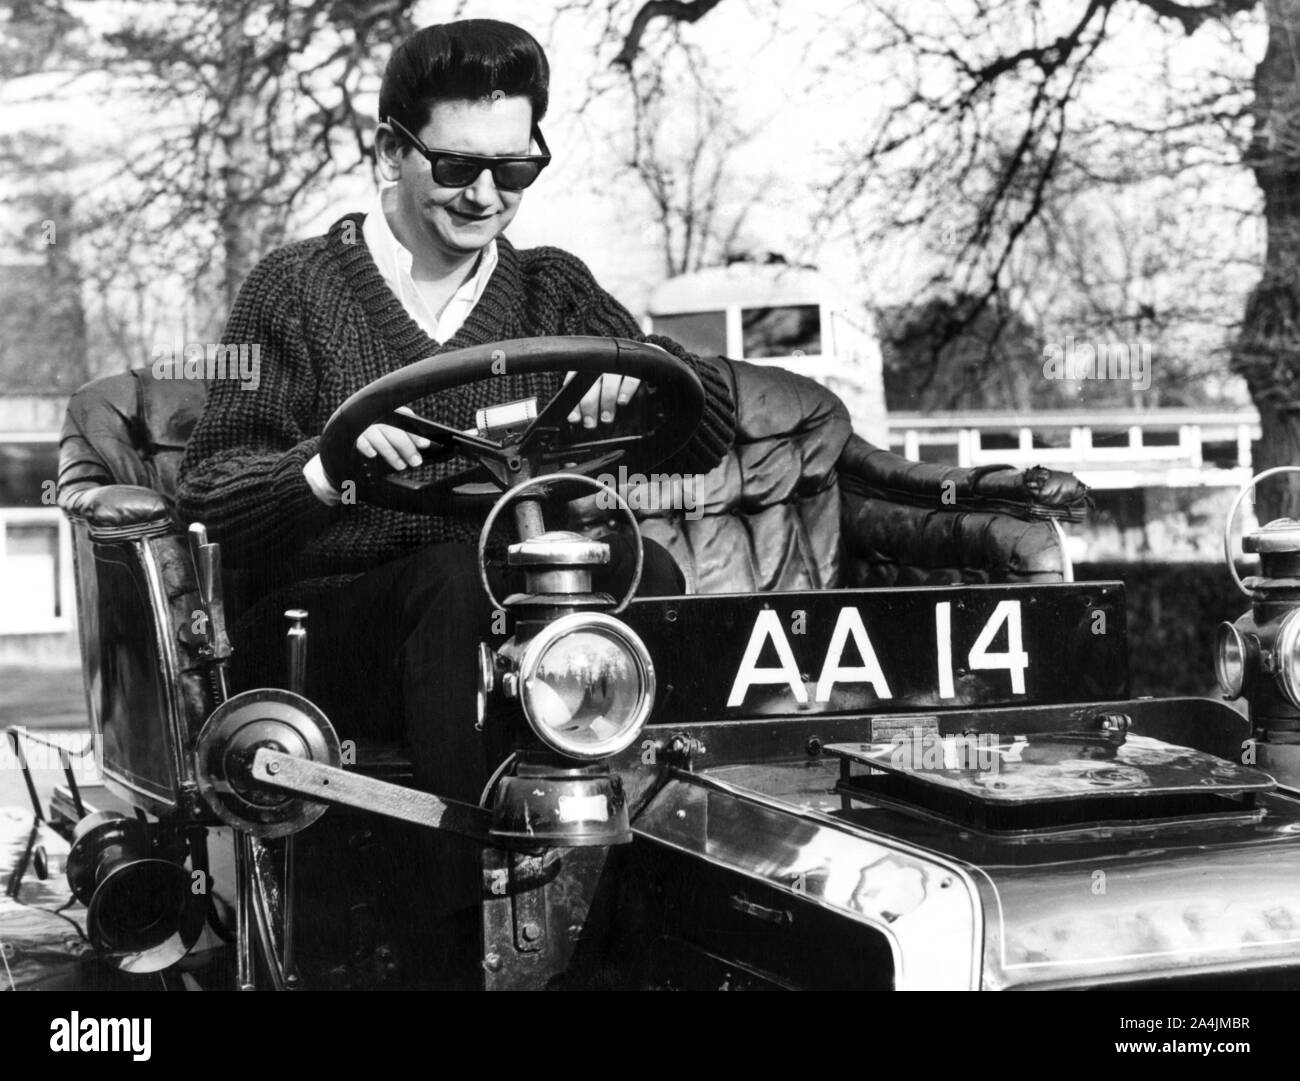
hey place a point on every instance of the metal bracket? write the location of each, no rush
(528, 904)
(327, 784)
(535, 911)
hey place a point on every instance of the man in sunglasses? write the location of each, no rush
(396, 607)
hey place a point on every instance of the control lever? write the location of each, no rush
(295, 650)
(329, 784)
(207, 569)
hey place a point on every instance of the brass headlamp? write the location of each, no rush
(583, 680)
(1258, 655)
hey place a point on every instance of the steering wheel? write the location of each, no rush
(544, 445)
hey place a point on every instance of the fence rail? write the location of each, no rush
(1120, 449)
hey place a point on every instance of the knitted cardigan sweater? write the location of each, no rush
(327, 324)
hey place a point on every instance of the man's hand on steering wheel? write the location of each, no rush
(398, 448)
(607, 394)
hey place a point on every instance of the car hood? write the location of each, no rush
(968, 908)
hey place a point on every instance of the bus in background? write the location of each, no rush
(768, 311)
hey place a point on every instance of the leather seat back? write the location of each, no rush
(146, 691)
(129, 428)
(768, 516)
(800, 502)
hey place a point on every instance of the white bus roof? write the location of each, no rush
(752, 285)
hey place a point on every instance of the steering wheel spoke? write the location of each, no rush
(585, 463)
(588, 449)
(446, 437)
(556, 413)
(462, 490)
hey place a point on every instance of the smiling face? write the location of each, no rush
(444, 227)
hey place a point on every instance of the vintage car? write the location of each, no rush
(883, 742)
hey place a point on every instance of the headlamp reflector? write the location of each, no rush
(587, 685)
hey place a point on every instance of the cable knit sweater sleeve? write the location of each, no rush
(242, 471)
(588, 309)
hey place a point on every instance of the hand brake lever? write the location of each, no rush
(207, 570)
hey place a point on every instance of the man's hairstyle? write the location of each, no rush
(470, 60)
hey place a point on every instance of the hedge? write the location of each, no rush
(1173, 610)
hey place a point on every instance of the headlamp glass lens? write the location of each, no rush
(1288, 657)
(1229, 660)
(586, 692)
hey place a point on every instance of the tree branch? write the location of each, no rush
(679, 11)
(1191, 16)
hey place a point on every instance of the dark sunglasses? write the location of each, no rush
(453, 169)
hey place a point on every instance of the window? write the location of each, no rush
(1221, 454)
(779, 332)
(698, 332)
(24, 470)
(29, 574)
(1051, 439)
(999, 440)
(1110, 438)
(938, 453)
(1158, 438)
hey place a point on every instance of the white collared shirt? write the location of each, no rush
(394, 263)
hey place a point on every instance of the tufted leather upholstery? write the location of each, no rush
(907, 523)
(767, 518)
(803, 503)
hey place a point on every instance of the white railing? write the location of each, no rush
(962, 439)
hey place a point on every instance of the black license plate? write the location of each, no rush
(849, 651)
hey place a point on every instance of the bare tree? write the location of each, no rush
(256, 107)
(980, 134)
(683, 151)
(239, 109)
(1268, 348)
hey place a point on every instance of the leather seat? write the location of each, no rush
(799, 503)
